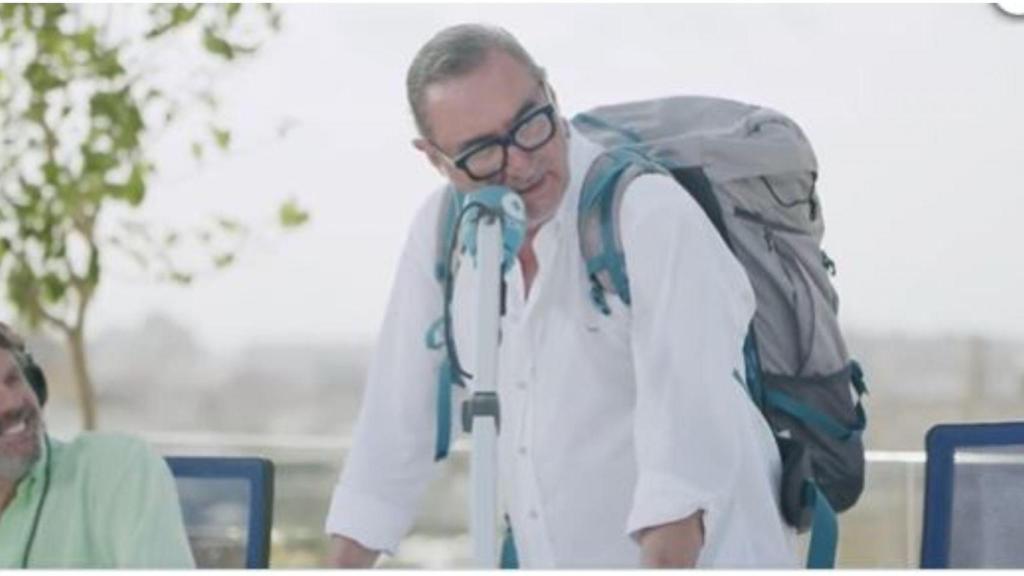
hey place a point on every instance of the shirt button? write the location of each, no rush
(533, 514)
(521, 384)
(522, 450)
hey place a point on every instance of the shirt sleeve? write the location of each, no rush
(691, 305)
(140, 508)
(390, 462)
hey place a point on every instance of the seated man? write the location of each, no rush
(100, 501)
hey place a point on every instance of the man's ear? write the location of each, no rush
(552, 93)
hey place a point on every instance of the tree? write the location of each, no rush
(82, 101)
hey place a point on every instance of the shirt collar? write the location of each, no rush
(37, 473)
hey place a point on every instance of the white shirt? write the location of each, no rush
(609, 424)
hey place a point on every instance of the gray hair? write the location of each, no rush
(457, 51)
(9, 339)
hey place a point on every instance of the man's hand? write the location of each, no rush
(347, 553)
(673, 545)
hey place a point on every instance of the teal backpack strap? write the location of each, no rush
(607, 175)
(823, 422)
(804, 413)
(446, 227)
(509, 555)
(444, 411)
(435, 333)
(752, 367)
(824, 529)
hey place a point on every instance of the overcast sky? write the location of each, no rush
(916, 114)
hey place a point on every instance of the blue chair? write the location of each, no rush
(974, 496)
(227, 503)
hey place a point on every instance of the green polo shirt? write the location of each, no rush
(111, 503)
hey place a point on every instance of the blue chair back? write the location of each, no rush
(974, 496)
(227, 503)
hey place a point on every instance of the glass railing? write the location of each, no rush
(882, 530)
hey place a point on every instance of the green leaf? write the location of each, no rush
(229, 225)
(197, 150)
(180, 278)
(134, 190)
(274, 17)
(179, 15)
(41, 79)
(214, 44)
(85, 40)
(182, 14)
(221, 137)
(53, 288)
(221, 261)
(36, 110)
(291, 216)
(51, 173)
(107, 64)
(97, 162)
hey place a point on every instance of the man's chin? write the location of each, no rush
(17, 459)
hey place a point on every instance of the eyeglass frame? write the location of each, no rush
(506, 140)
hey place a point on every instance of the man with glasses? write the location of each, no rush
(624, 442)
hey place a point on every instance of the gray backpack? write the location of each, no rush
(753, 172)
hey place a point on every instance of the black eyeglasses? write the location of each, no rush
(488, 159)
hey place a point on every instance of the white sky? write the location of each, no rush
(916, 113)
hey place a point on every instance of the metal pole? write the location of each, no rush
(483, 403)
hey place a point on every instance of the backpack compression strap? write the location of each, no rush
(802, 412)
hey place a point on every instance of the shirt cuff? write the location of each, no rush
(662, 498)
(374, 523)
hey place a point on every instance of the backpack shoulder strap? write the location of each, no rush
(446, 378)
(445, 229)
(598, 219)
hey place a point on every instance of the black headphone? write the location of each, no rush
(31, 371)
(33, 374)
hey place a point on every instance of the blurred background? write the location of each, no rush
(295, 142)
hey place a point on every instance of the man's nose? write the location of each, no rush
(519, 164)
(10, 400)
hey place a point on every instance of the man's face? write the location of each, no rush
(485, 104)
(20, 421)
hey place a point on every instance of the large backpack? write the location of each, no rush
(753, 172)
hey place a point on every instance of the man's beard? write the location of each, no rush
(14, 467)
